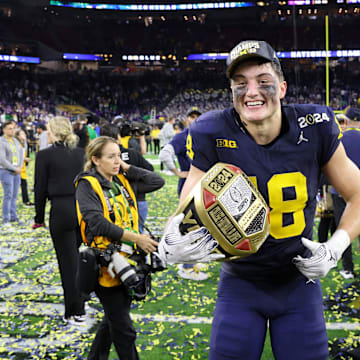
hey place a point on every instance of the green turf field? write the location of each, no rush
(174, 322)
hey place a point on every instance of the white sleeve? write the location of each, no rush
(167, 155)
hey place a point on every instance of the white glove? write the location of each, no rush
(196, 246)
(325, 255)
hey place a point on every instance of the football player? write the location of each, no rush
(351, 142)
(177, 146)
(283, 149)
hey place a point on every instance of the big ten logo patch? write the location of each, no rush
(226, 143)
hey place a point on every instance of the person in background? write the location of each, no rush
(132, 136)
(177, 146)
(138, 136)
(21, 137)
(154, 135)
(30, 130)
(106, 203)
(351, 142)
(42, 136)
(55, 170)
(177, 128)
(83, 118)
(133, 157)
(11, 162)
(148, 139)
(165, 135)
(80, 129)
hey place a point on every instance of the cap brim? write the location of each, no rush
(241, 59)
(193, 112)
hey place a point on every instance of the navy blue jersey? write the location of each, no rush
(286, 172)
(178, 142)
(351, 142)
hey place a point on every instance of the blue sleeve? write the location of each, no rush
(200, 142)
(178, 142)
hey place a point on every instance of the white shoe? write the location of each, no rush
(75, 320)
(201, 266)
(198, 266)
(346, 274)
(191, 273)
(86, 306)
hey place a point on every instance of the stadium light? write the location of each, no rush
(154, 7)
(83, 57)
(300, 54)
(21, 59)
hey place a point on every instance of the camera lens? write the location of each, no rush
(125, 271)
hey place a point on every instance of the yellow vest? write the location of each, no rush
(155, 133)
(23, 169)
(102, 242)
(125, 141)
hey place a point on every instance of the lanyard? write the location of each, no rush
(12, 145)
(126, 200)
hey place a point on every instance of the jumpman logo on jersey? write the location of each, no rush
(302, 138)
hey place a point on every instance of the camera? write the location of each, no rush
(156, 264)
(133, 128)
(134, 271)
(137, 129)
(126, 272)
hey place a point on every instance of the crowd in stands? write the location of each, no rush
(33, 97)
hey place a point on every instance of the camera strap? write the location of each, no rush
(127, 200)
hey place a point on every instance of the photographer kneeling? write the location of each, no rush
(108, 218)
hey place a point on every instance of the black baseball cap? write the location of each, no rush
(353, 114)
(249, 49)
(193, 110)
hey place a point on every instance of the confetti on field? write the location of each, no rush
(173, 323)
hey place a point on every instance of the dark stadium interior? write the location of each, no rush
(37, 29)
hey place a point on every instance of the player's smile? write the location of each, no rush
(256, 91)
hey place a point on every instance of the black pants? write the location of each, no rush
(24, 191)
(63, 225)
(156, 146)
(339, 206)
(148, 145)
(116, 326)
(326, 224)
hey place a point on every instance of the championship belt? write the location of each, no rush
(229, 206)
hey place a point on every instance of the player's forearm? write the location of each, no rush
(350, 220)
